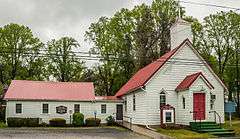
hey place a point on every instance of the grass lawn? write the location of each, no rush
(235, 126)
(183, 133)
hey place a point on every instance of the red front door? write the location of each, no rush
(199, 106)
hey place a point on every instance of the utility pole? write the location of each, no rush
(237, 82)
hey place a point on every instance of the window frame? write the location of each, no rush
(76, 108)
(183, 102)
(16, 108)
(103, 108)
(43, 112)
(162, 94)
(212, 100)
(166, 120)
(125, 104)
(134, 102)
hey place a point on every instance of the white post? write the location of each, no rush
(230, 118)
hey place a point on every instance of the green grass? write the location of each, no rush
(2, 125)
(183, 133)
(235, 126)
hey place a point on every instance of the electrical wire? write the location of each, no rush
(210, 5)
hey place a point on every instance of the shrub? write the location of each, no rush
(21, 122)
(78, 119)
(2, 125)
(110, 120)
(57, 122)
(92, 121)
(31, 122)
(2, 113)
(43, 124)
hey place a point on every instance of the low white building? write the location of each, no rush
(179, 87)
(47, 100)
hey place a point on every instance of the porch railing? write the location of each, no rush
(219, 117)
(195, 117)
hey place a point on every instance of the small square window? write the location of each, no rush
(76, 108)
(103, 108)
(168, 117)
(18, 108)
(45, 108)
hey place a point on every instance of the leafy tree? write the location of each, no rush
(16, 45)
(130, 40)
(217, 39)
(63, 63)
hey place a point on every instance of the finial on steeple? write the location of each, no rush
(179, 9)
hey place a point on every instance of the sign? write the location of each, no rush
(61, 109)
(230, 107)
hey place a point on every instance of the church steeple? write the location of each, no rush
(180, 31)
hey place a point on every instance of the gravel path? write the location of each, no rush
(68, 133)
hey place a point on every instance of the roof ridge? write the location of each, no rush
(48, 81)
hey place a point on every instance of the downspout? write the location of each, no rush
(146, 125)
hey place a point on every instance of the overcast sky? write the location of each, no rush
(50, 19)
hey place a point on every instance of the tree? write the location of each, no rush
(63, 63)
(217, 40)
(16, 45)
(130, 40)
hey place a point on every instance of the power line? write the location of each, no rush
(176, 61)
(211, 5)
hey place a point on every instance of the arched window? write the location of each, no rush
(162, 98)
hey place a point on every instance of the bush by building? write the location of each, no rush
(57, 122)
(92, 121)
(22, 122)
(78, 119)
(110, 120)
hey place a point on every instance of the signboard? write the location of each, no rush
(230, 107)
(61, 109)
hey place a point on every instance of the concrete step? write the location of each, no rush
(216, 130)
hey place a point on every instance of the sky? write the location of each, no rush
(52, 19)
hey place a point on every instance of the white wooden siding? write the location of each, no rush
(34, 109)
(170, 75)
(139, 115)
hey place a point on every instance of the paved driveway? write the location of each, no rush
(68, 133)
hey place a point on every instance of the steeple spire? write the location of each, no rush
(180, 30)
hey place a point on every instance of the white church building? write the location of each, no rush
(179, 87)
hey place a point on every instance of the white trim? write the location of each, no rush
(198, 55)
(42, 108)
(172, 116)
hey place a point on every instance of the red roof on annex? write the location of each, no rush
(43, 90)
(189, 80)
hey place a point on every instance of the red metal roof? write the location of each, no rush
(188, 81)
(107, 98)
(42, 90)
(143, 75)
